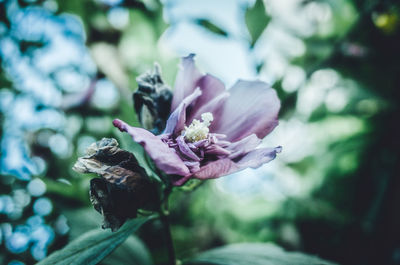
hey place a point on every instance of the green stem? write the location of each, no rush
(164, 217)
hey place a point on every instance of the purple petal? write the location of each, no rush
(216, 169)
(200, 143)
(164, 157)
(243, 146)
(218, 136)
(227, 166)
(176, 121)
(223, 144)
(192, 165)
(186, 81)
(251, 108)
(258, 157)
(212, 98)
(185, 149)
(217, 150)
(213, 169)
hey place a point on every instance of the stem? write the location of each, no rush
(164, 217)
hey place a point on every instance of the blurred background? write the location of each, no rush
(68, 68)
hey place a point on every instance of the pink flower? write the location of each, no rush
(211, 131)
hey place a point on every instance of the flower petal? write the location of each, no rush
(192, 165)
(186, 80)
(185, 149)
(164, 157)
(213, 169)
(258, 157)
(243, 146)
(217, 150)
(216, 169)
(177, 119)
(226, 166)
(251, 108)
(212, 98)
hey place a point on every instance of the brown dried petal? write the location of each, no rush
(113, 202)
(124, 186)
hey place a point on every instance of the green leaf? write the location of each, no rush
(212, 27)
(256, 20)
(132, 252)
(255, 254)
(92, 247)
(82, 220)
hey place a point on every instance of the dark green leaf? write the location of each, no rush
(81, 221)
(132, 252)
(256, 20)
(212, 27)
(255, 254)
(93, 246)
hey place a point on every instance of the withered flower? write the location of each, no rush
(152, 100)
(123, 187)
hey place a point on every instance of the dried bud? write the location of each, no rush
(124, 186)
(152, 100)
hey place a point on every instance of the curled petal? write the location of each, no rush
(185, 149)
(164, 157)
(251, 108)
(186, 81)
(176, 122)
(109, 161)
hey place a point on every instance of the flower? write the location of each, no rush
(211, 131)
(123, 186)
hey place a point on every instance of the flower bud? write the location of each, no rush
(152, 100)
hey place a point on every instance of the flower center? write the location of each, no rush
(198, 130)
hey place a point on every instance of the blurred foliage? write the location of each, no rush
(256, 20)
(212, 27)
(333, 194)
(254, 253)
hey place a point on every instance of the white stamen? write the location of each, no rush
(198, 130)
